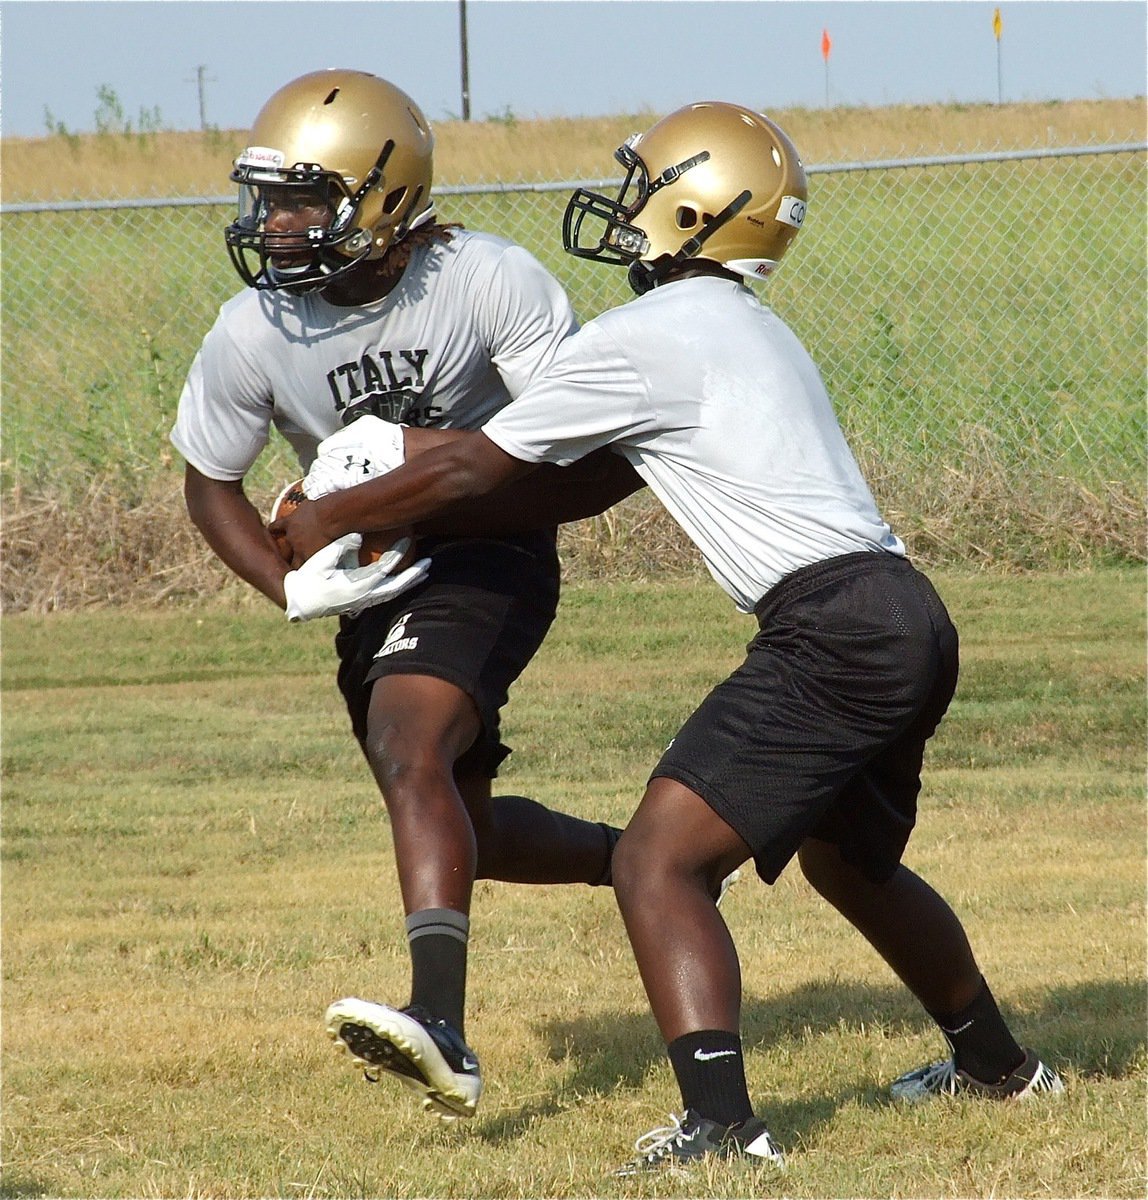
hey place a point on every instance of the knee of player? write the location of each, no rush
(402, 764)
(635, 865)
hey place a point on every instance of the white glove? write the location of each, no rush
(324, 587)
(367, 448)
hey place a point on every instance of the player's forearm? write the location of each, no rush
(417, 440)
(460, 468)
(547, 496)
(233, 528)
(421, 487)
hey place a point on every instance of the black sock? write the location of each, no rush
(438, 938)
(606, 879)
(981, 1042)
(711, 1075)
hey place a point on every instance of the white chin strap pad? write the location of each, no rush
(753, 268)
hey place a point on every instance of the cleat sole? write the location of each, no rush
(373, 1049)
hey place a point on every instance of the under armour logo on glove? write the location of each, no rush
(364, 450)
(360, 466)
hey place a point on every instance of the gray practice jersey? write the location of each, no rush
(470, 323)
(719, 408)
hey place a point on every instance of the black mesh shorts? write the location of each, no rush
(821, 731)
(475, 621)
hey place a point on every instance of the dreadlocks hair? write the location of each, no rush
(398, 255)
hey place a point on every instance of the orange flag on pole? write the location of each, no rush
(997, 24)
(826, 44)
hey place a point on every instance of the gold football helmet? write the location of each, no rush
(712, 180)
(337, 169)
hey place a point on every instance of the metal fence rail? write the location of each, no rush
(978, 318)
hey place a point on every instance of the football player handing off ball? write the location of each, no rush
(812, 749)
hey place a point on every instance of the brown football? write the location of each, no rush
(374, 546)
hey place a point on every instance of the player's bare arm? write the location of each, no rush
(232, 526)
(547, 496)
(466, 465)
(527, 497)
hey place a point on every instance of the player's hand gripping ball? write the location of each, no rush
(374, 546)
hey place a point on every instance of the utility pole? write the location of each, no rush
(465, 61)
(998, 25)
(199, 80)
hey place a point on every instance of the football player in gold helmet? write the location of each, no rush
(338, 169)
(364, 312)
(738, 197)
(813, 747)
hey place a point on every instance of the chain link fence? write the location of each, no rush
(979, 320)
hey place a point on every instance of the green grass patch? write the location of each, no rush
(196, 863)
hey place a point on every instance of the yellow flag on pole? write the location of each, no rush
(997, 24)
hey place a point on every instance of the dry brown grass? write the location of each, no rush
(197, 164)
(105, 553)
(101, 553)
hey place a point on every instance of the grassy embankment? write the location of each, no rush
(197, 164)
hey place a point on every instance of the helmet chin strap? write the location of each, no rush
(643, 276)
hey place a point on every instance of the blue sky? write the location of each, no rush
(557, 57)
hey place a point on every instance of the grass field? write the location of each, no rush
(195, 864)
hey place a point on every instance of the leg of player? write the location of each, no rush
(522, 841)
(922, 940)
(667, 867)
(417, 727)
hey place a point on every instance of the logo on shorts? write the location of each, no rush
(397, 639)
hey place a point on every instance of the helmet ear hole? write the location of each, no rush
(393, 200)
(686, 216)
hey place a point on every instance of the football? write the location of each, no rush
(374, 546)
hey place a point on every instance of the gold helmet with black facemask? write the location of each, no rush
(338, 167)
(712, 180)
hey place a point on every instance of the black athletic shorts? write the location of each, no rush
(821, 731)
(475, 621)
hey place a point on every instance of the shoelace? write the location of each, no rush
(1046, 1080)
(940, 1077)
(653, 1145)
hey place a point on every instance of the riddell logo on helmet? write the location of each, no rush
(764, 268)
(260, 156)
